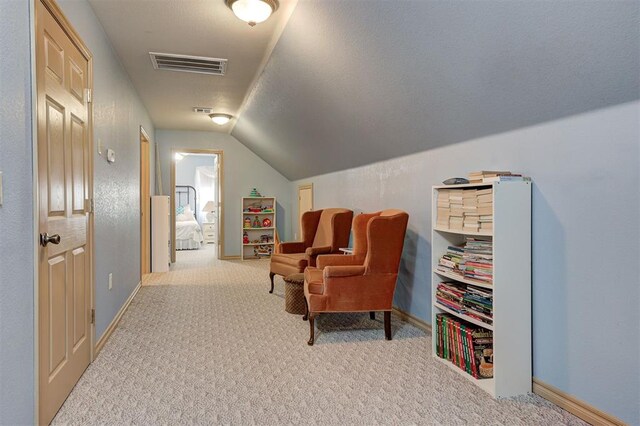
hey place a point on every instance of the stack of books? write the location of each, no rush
(487, 176)
(468, 210)
(467, 346)
(469, 300)
(450, 261)
(452, 296)
(477, 259)
(478, 304)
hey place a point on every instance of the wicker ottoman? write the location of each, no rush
(294, 294)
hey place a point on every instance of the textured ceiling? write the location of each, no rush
(354, 82)
(191, 27)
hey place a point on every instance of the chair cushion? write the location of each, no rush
(297, 260)
(313, 280)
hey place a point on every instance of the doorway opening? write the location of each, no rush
(197, 221)
(145, 206)
(305, 204)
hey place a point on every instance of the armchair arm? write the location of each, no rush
(314, 251)
(292, 247)
(337, 260)
(343, 271)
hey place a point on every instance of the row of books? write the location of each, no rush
(467, 346)
(473, 260)
(465, 209)
(474, 302)
(490, 176)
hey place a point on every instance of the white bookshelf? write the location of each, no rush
(511, 285)
(255, 233)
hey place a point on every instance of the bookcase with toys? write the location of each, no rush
(481, 281)
(258, 226)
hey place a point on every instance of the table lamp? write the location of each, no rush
(210, 208)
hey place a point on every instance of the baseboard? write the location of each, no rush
(230, 257)
(581, 409)
(417, 322)
(114, 324)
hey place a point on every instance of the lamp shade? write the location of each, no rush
(253, 11)
(209, 207)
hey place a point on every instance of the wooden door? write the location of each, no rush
(305, 204)
(145, 202)
(64, 286)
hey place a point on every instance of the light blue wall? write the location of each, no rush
(118, 114)
(585, 236)
(243, 170)
(16, 218)
(186, 168)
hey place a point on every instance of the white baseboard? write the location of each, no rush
(586, 412)
(114, 323)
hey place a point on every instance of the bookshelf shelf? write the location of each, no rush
(467, 318)
(485, 384)
(511, 286)
(258, 250)
(460, 279)
(459, 232)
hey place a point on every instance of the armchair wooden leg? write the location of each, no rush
(312, 329)
(306, 310)
(387, 325)
(372, 315)
(271, 274)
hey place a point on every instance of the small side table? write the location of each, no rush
(294, 294)
(209, 232)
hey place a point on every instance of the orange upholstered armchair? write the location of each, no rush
(323, 232)
(362, 282)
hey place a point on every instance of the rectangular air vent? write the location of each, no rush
(197, 64)
(203, 110)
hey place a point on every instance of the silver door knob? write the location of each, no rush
(46, 239)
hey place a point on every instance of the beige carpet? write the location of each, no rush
(207, 344)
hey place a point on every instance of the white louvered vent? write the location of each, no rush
(197, 64)
(203, 110)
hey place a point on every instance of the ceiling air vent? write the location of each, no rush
(197, 64)
(203, 110)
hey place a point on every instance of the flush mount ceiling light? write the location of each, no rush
(220, 119)
(253, 11)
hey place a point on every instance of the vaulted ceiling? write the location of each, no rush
(354, 82)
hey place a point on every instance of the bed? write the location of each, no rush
(188, 231)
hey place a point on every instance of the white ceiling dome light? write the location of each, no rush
(253, 11)
(220, 119)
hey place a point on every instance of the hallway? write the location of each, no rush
(205, 343)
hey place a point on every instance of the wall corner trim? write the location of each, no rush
(586, 412)
(116, 320)
(415, 321)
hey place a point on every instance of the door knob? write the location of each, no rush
(46, 239)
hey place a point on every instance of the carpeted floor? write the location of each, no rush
(207, 344)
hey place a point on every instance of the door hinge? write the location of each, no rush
(87, 95)
(88, 205)
(93, 316)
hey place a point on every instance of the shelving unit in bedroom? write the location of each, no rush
(261, 239)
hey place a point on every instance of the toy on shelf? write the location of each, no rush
(255, 193)
(262, 251)
(266, 223)
(256, 223)
(265, 238)
(247, 222)
(245, 238)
